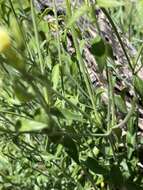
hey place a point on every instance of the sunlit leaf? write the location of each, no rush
(71, 115)
(31, 125)
(109, 3)
(56, 75)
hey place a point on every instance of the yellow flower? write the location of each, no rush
(4, 39)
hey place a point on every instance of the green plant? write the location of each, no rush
(56, 130)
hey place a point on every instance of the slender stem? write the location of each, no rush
(111, 112)
(137, 59)
(121, 124)
(118, 37)
(111, 99)
(126, 119)
(81, 63)
(37, 38)
(58, 45)
(109, 103)
(20, 27)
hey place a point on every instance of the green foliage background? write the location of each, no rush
(55, 131)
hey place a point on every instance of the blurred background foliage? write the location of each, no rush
(51, 135)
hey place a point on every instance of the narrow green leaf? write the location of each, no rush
(131, 136)
(120, 103)
(4, 164)
(71, 116)
(138, 84)
(56, 75)
(101, 61)
(31, 125)
(16, 32)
